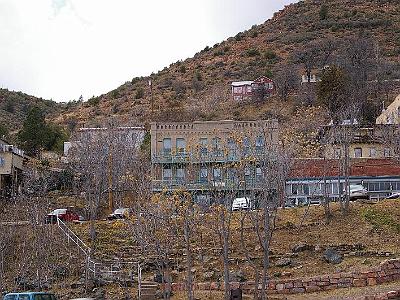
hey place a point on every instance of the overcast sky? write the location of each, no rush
(61, 49)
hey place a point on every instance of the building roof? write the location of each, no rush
(318, 168)
(390, 112)
(241, 83)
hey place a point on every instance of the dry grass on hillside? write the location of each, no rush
(373, 226)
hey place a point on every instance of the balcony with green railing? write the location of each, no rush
(217, 156)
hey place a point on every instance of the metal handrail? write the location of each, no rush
(97, 268)
(71, 235)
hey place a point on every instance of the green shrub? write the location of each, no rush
(219, 53)
(198, 76)
(254, 34)
(94, 101)
(270, 54)
(323, 12)
(135, 80)
(252, 52)
(115, 94)
(139, 93)
(182, 69)
(239, 37)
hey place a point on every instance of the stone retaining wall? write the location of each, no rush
(387, 271)
(382, 296)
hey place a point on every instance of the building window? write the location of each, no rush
(180, 174)
(231, 148)
(357, 152)
(203, 146)
(180, 145)
(246, 146)
(203, 175)
(237, 90)
(216, 146)
(2, 162)
(217, 175)
(167, 146)
(247, 175)
(386, 152)
(258, 174)
(337, 153)
(260, 143)
(372, 152)
(294, 189)
(167, 173)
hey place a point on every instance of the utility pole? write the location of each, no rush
(110, 193)
(151, 96)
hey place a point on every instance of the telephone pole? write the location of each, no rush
(151, 95)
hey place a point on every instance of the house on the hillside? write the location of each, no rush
(12, 161)
(243, 90)
(313, 79)
(359, 141)
(390, 115)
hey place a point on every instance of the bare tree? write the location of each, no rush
(286, 80)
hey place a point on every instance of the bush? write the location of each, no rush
(182, 69)
(135, 80)
(270, 54)
(94, 101)
(219, 53)
(198, 76)
(253, 52)
(139, 93)
(323, 12)
(239, 37)
(9, 107)
(115, 94)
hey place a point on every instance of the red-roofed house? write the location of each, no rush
(242, 90)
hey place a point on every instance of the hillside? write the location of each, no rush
(365, 238)
(198, 88)
(14, 107)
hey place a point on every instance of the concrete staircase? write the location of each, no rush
(148, 290)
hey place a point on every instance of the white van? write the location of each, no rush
(241, 203)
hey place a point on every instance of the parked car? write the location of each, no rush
(357, 191)
(119, 213)
(29, 296)
(393, 196)
(64, 214)
(241, 204)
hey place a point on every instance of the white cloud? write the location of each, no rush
(63, 48)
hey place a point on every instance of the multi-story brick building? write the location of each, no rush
(203, 157)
